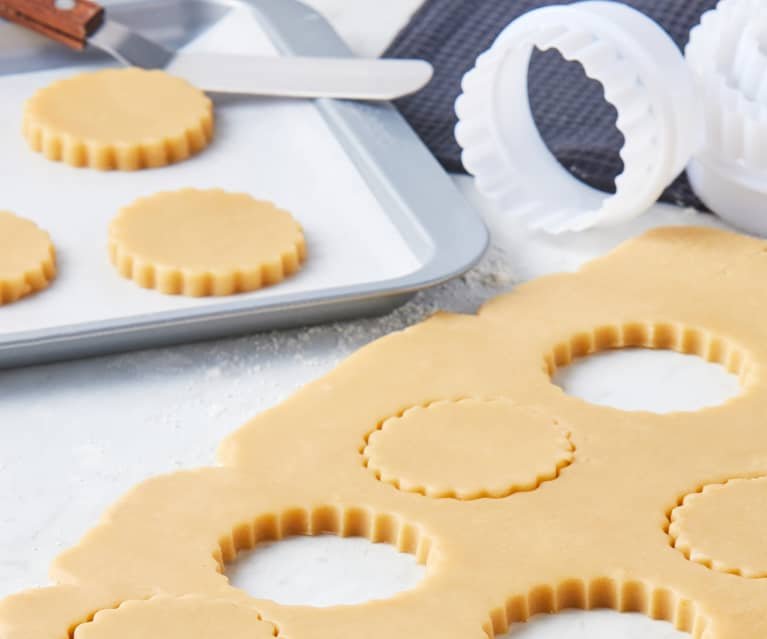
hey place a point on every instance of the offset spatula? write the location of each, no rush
(86, 23)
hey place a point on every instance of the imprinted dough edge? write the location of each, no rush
(594, 537)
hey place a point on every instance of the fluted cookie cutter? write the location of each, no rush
(727, 53)
(644, 76)
(710, 113)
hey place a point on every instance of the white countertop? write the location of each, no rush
(76, 435)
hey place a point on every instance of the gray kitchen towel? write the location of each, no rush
(569, 108)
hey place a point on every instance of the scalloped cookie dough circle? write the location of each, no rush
(177, 618)
(27, 258)
(205, 242)
(125, 119)
(722, 527)
(468, 449)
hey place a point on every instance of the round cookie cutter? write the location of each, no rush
(645, 78)
(727, 54)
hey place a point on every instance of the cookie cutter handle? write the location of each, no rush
(69, 22)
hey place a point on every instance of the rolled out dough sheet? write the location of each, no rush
(603, 533)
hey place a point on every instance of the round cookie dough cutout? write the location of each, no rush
(125, 119)
(468, 449)
(27, 258)
(177, 618)
(722, 527)
(205, 242)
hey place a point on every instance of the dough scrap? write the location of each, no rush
(205, 242)
(125, 119)
(27, 258)
(596, 536)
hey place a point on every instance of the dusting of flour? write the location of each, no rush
(232, 379)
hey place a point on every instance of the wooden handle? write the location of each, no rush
(69, 26)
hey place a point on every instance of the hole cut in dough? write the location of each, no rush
(468, 449)
(27, 258)
(594, 624)
(200, 243)
(324, 571)
(548, 606)
(125, 119)
(323, 539)
(659, 368)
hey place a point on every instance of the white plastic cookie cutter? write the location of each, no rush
(644, 76)
(727, 53)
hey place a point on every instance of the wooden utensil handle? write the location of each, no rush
(70, 26)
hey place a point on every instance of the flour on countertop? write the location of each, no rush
(256, 353)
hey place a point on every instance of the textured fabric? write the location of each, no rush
(575, 121)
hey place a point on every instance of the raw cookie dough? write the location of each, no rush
(462, 438)
(27, 258)
(595, 536)
(166, 617)
(124, 119)
(722, 527)
(197, 243)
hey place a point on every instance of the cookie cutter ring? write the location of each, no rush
(727, 54)
(645, 78)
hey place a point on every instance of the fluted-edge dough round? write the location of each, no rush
(124, 119)
(722, 527)
(27, 258)
(205, 242)
(166, 617)
(462, 438)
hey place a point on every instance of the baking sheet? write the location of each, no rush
(277, 150)
(369, 248)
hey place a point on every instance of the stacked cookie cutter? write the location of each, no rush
(728, 55)
(708, 111)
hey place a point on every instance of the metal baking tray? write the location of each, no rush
(373, 188)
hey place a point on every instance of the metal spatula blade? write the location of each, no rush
(353, 78)
(350, 78)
